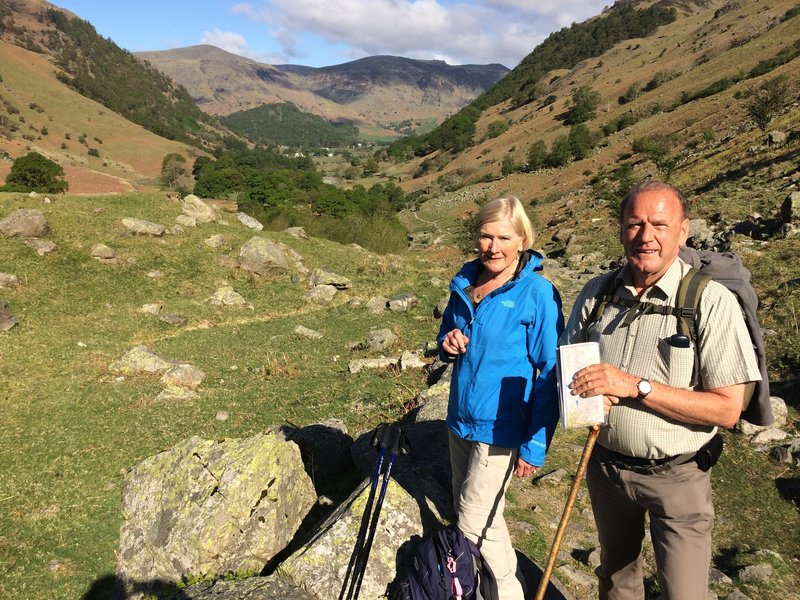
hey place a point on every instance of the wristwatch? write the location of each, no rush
(644, 387)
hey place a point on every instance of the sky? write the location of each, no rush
(319, 33)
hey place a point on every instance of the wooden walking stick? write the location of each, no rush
(562, 526)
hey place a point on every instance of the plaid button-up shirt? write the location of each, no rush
(641, 349)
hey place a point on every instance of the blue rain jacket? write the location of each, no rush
(503, 389)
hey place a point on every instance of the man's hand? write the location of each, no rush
(604, 379)
(455, 343)
(524, 469)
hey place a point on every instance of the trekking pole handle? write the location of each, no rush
(562, 526)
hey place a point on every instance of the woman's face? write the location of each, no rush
(499, 246)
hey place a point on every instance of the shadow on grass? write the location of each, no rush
(110, 586)
(789, 489)
(745, 169)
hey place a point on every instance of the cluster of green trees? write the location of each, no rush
(283, 191)
(286, 125)
(99, 69)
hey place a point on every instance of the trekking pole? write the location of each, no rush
(395, 441)
(362, 530)
(562, 526)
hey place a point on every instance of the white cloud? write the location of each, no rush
(227, 40)
(461, 31)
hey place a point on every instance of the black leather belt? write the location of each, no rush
(643, 465)
(705, 458)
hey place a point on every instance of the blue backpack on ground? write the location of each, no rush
(446, 566)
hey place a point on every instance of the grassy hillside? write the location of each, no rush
(99, 69)
(71, 428)
(39, 113)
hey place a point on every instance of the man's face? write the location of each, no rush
(653, 230)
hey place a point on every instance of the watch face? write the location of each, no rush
(644, 387)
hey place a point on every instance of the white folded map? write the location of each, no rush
(576, 411)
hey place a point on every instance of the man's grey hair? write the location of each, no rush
(655, 185)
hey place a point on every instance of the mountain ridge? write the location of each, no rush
(377, 90)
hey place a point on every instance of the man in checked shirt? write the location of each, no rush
(655, 453)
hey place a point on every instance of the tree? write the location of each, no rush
(584, 105)
(580, 141)
(508, 166)
(175, 173)
(35, 173)
(537, 155)
(768, 100)
(560, 153)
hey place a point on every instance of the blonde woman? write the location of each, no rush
(500, 330)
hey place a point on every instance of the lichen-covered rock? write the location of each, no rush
(206, 508)
(41, 247)
(321, 294)
(201, 212)
(321, 565)
(262, 257)
(140, 359)
(215, 241)
(24, 223)
(296, 232)
(184, 375)
(226, 296)
(103, 252)
(379, 340)
(252, 588)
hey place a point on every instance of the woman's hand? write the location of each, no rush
(455, 343)
(524, 469)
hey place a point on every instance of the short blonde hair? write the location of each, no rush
(505, 208)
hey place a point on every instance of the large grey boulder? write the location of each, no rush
(262, 257)
(143, 227)
(321, 564)
(24, 223)
(379, 340)
(206, 508)
(201, 212)
(325, 448)
(249, 221)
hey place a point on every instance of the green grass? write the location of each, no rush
(69, 428)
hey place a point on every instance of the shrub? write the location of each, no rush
(768, 100)
(35, 173)
(508, 166)
(94, 152)
(497, 128)
(633, 92)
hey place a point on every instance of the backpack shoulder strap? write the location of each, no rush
(602, 298)
(687, 301)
